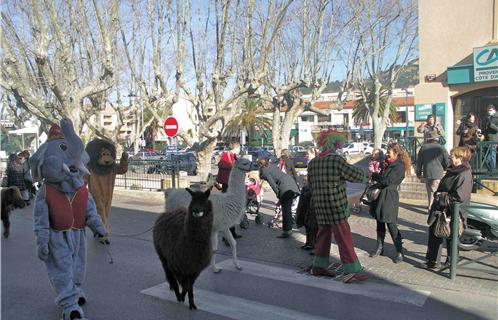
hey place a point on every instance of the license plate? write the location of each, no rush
(299, 162)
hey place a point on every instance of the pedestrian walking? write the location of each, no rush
(469, 132)
(430, 126)
(432, 161)
(19, 175)
(327, 177)
(386, 208)
(491, 135)
(457, 183)
(286, 165)
(227, 160)
(285, 188)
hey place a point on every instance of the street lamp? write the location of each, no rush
(406, 117)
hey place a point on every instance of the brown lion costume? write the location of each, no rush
(103, 169)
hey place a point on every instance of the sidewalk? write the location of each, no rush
(259, 243)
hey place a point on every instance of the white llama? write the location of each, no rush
(228, 208)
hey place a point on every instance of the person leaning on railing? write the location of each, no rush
(457, 182)
(491, 134)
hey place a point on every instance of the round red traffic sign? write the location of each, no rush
(171, 126)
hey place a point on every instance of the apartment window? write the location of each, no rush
(323, 118)
(400, 116)
(307, 118)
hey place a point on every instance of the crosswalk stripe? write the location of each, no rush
(231, 306)
(393, 293)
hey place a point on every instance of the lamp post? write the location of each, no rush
(406, 118)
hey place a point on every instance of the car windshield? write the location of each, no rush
(346, 145)
(300, 154)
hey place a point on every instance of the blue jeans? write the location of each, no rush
(492, 157)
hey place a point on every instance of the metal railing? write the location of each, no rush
(412, 145)
(480, 161)
(150, 175)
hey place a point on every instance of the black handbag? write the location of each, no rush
(371, 194)
(442, 229)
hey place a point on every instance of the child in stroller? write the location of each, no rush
(254, 194)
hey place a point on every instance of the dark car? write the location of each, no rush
(185, 161)
(261, 154)
(300, 159)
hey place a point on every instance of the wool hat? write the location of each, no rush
(55, 132)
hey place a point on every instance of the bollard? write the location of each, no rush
(455, 221)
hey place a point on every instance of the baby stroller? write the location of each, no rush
(254, 194)
(276, 221)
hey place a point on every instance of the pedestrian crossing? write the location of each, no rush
(230, 306)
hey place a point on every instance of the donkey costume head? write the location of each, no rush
(61, 160)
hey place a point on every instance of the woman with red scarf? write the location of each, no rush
(386, 208)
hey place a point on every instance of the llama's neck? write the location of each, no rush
(236, 182)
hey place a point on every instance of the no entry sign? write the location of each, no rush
(170, 126)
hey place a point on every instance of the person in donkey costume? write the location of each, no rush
(63, 207)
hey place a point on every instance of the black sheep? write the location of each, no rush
(182, 242)
(11, 198)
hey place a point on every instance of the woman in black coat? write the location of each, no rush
(385, 209)
(469, 132)
(457, 182)
(284, 187)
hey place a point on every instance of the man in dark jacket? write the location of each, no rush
(432, 161)
(491, 134)
(285, 189)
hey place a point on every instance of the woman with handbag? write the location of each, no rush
(457, 184)
(386, 207)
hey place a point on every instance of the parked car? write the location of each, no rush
(368, 150)
(300, 159)
(351, 148)
(297, 149)
(260, 154)
(176, 161)
(147, 155)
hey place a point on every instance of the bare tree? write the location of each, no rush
(223, 77)
(300, 65)
(388, 43)
(58, 57)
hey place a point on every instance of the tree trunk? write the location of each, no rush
(204, 160)
(379, 127)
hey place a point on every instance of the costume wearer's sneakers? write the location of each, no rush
(81, 301)
(73, 315)
(322, 272)
(357, 276)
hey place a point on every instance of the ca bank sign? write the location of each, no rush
(486, 63)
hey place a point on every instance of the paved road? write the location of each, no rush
(269, 287)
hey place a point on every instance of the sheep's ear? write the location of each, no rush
(207, 192)
(190, 191)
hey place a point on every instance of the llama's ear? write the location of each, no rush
(190, 191)
(207, 192)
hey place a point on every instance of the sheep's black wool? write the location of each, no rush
(182, 242)
(11, 198)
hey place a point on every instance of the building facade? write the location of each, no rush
(458, 51)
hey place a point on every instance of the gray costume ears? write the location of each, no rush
(36, 162)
